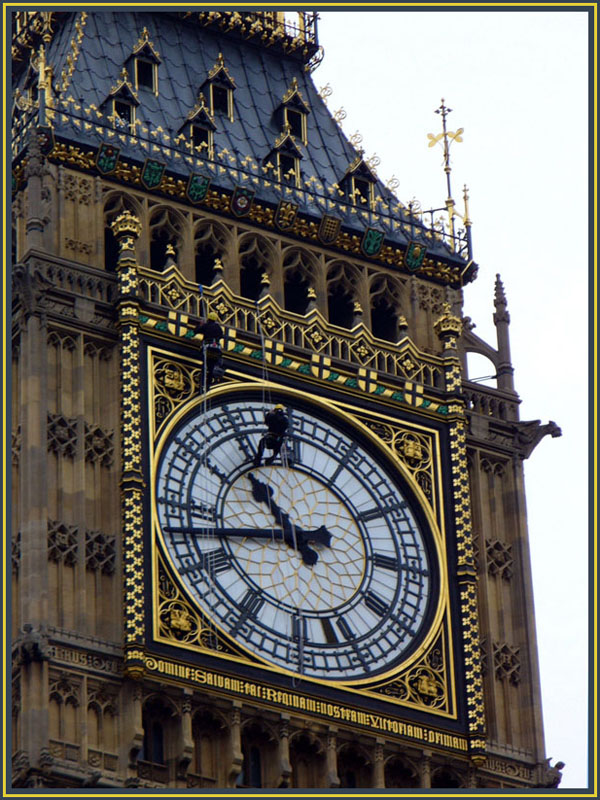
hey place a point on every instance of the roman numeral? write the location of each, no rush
(342, 463)
(213, 562)
(379, 511)
(376, 604)
(385, 562)
(250, 604)
(328, 630)
(346, 630)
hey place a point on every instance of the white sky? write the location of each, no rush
(517, 84)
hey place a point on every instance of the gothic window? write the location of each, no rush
(362, 191)
(385, 308)
(208, 734)
(341, 295)
(160, 727)
(63, 713)
(256, 260)
(445, 778)
(354, 767)
(297, 281)
(210, 242)
(307, 760)
(259, 747)
(165, 229)
(399, 774)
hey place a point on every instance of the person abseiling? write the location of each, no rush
(212, 334)
(277, 425)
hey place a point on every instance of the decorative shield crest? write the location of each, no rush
(372, 242)
(285, 215)
(414, 256)
(241, 201)
(178, 323)
(197, 187)
(152, 173)
(45, 136)
(107, 158)
(329, 229)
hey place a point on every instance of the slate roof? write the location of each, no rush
(188, 51)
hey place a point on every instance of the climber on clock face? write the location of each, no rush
(212, 333)
(277, 425)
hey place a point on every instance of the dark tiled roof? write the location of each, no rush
(188, 51)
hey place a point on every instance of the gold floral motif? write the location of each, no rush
(174, 384)
(414, 449)
(424, 684)
(179, 622)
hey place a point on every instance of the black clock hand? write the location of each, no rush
(263, 493)
(296, 540)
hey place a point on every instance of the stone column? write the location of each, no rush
(285, 768)
(235, 740)
(378, 766)
(333, 780)
(425, 770)
(187, 740)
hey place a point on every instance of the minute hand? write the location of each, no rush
(296, 539)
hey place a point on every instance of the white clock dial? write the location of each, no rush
(317, 563)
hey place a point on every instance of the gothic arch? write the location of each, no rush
(386, 306)
(354, 766)
(300, 268)
(445, 778)
(400, 773)
(258, 260)
(208, 732)
(166, 226)
(343, 289)
(211, 241)
(259, 746)
(307, 759)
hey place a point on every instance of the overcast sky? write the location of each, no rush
(517, 83)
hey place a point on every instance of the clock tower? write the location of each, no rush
(202, 599)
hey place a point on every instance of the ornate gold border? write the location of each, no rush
(422, 668)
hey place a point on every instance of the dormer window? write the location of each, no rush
(288, 168)
(146, 60)
(286, 156)
(362, 190)
(359, 182)
(219, 87)
(145, 74)
(202, 139)
(125, 113)
(199, 128)
(220, 100)
(297, 123)
(293, 112)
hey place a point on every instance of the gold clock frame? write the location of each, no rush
(426, 680)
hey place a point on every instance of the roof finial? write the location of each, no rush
(447, 137)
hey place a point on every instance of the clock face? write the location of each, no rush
(316, 563)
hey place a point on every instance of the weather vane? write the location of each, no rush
(448, 137)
